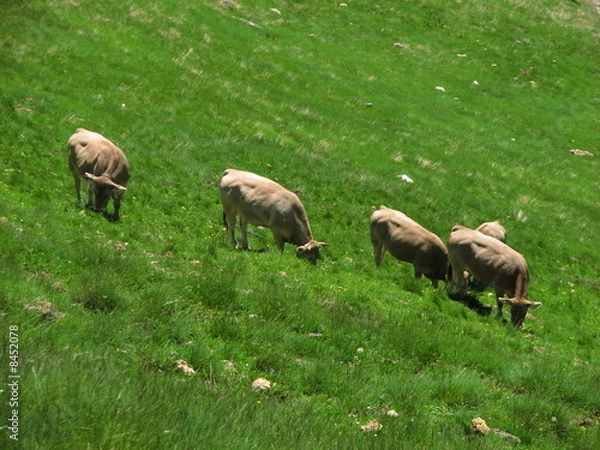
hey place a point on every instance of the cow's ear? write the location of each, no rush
(505, 301)
(89, 176)
(534, 304)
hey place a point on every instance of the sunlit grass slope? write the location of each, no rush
(478, 103)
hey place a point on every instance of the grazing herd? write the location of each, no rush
(260, 201)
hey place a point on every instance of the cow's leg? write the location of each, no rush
(378, 250)
(499, 314)
(77, 184)
(418, 272)
(90, 199)
(279, 241)
(499, 296)
(458, 278)
(117, 204)
(244, 229)
(229, 219)
(76, 178)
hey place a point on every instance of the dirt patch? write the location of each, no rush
(46, 310)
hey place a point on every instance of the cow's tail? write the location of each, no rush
(449, 279)
(449, 273)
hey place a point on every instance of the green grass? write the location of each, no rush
(336, 102)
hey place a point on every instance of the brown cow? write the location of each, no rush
(493, 229)
(262, 202)
(493, 263)
(408, 241)
(103, 164)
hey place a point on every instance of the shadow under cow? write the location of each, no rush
(472, 302)
(253, 250)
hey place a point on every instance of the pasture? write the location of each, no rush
(453, 112)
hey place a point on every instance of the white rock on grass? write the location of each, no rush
(182, 366)
(261, 385)
(578, 152)
(372, 426)
(478, 426)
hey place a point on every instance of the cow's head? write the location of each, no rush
(310, 251)
(104, 188)
(518, 309)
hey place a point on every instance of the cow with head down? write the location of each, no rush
(406, 240)
(262, 202)
(492, 262)
(94, 158)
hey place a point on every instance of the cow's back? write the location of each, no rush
(401, 235)
(248, 187)
(259, 200)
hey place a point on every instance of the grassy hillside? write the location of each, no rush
(478, 103)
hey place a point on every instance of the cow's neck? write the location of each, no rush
(521, 288)
(301, 234)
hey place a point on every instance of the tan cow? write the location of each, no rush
(494, 263)
(103, 164)
(493, 229)
(262, 202)
(408, 241)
